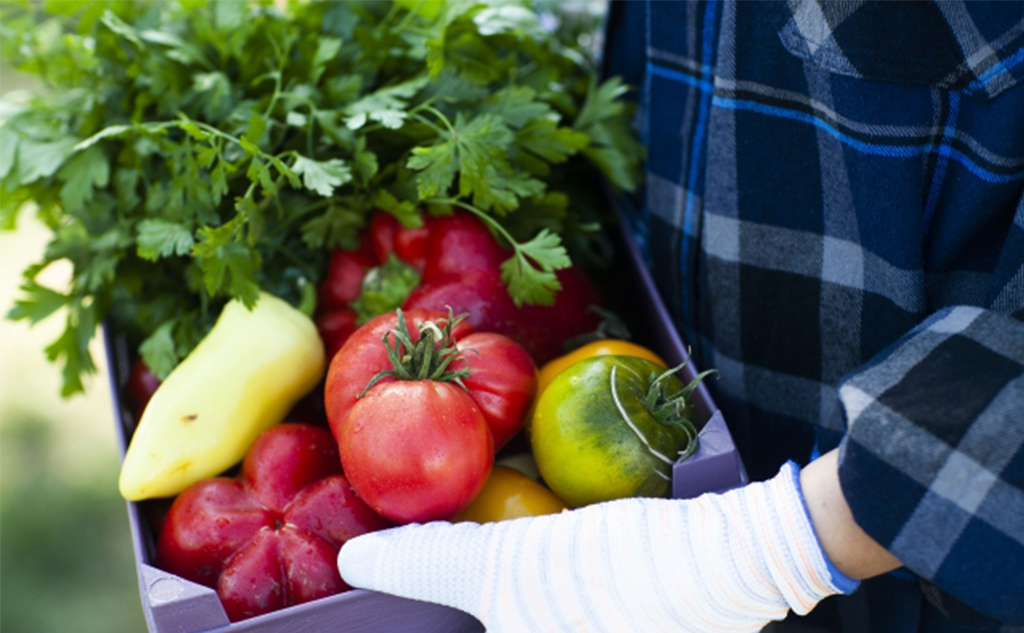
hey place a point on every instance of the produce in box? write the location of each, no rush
(448, 262)
(243, 377)
(609, 427)
(418, 402)
(189, 156)
(268, 538)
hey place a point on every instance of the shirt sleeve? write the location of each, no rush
(933, 461)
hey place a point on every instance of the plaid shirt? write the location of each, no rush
(834, 213)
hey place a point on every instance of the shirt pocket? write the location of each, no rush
(973, 47)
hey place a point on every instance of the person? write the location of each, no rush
(834, 213)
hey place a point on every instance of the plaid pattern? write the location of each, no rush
(834, 213)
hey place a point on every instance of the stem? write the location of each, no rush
(440, 115)
(404, 24)
(629, 421)
(426, 359)
(427, 122)
(480, 214)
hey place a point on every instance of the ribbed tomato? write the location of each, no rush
(417, 403)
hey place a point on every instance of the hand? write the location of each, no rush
(729, 562)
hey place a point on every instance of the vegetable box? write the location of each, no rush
(174, 605)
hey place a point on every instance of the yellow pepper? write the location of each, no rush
(241, 379)
(509, 494)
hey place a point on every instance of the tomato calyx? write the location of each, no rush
(676, 411)
(670, 410)
(428, 358)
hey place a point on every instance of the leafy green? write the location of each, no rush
(186, 152)
(384, 288)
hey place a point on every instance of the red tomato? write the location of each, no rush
(363, 356)
(460, 244)
(502, 381)
(389, 236)
(141, 386)
(420, 449)
(481, 294)
(335, 326)
(345, 273)
(416, 450)
(460, 261)
(270, 537)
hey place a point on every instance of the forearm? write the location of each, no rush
(849, 548)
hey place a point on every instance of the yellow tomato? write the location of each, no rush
(509, 494)
(604, 347)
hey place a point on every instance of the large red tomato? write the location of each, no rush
(416, 450)
(419, 445)
(268, 538)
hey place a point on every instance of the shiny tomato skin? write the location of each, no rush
(502, 381)
(459, 244)
(344, 281)
(282, 464)
(587, 450)
(388, 236)
(363, 355)
(270, 537)
(416, 450)
(331, 509)
(207, 524)
(480, 294)
(142, 384)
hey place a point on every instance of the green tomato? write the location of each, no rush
(610, 427)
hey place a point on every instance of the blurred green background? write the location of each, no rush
(66, 561)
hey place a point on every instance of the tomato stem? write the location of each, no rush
(676, 410)
(629, 421)
(426, 359)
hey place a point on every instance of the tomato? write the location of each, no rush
(416, 450)
(460, 265)
(268, 538)
(389, 236)
(603, 347)
(141, 386)
(509, 494)
(335, 327)
(415, 444)
(502, 381)
(345, 275)
(364, 355)
(608, 427)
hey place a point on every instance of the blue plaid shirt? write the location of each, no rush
(834, 213)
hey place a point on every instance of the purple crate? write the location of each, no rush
(174, 605)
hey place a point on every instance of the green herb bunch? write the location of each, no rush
(184, 153)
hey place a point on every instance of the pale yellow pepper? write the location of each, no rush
(241, 379)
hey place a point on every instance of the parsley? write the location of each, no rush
(188, 152)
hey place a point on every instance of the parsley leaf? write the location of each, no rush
(187, 152)
(162, 238)
(530, 272)
(322, 177)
